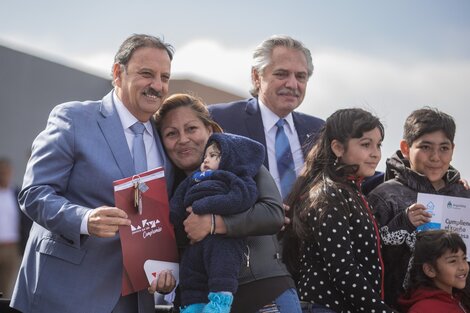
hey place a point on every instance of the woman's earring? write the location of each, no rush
(335, 163)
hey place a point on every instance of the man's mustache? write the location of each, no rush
(289, 92)
(152, 92)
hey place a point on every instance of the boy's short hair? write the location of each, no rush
(425, 121)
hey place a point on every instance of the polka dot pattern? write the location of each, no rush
(339, 265)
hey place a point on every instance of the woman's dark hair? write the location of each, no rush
(322, 168)
(199, 108)
(185, 100)
(430, 246)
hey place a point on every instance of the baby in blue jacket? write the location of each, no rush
(224, 185)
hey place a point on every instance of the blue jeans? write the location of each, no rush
(315, 308)
(287, 302)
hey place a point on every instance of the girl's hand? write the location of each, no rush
(417, 214)
(164, 283)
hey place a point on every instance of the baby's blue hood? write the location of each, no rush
(239, 155)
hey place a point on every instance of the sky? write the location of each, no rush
(389, 57)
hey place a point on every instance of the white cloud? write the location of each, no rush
(388, 88)
(392, 90)
(97, 62)
(341, 79)
(217, 64)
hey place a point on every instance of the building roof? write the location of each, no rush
(32, 85)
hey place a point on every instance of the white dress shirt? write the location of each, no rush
(270, 119)
(154, 158)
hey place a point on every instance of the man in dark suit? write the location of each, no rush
(280, 72)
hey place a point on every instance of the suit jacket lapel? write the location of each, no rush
(254, 125)
(302, 133)
(111, 128)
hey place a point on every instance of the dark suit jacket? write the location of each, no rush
(244, 118)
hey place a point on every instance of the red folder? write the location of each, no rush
(151, 236)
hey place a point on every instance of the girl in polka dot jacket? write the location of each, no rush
(332, 246)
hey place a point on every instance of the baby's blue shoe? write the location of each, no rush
(219, 302)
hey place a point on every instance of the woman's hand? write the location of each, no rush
(197, 226)
(417, 214)
(286, 219)
(164, 283)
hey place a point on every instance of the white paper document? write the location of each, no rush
(450, 213)
(153, 268)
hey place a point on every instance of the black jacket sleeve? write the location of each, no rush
(265, 217)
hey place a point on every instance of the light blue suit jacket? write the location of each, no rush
(73, 164)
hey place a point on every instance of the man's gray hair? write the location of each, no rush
(262, 55)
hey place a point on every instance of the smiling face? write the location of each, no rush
(364, 152)
(451, 271)
(430, 155)
(184, 137)
(283, 82)
(143, 83)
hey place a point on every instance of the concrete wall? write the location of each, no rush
(29, 88)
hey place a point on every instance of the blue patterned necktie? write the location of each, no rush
(138, 148)
(285, 162)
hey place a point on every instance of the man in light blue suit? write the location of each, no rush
(73, 258)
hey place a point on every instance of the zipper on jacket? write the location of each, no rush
(461, 306)
(377, 234)
(247, 256)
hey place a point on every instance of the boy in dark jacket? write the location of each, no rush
(224, 185)
(421, 165)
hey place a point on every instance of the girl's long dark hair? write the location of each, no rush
(431, 245)
(322, 169)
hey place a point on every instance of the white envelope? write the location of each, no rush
(153, 268)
